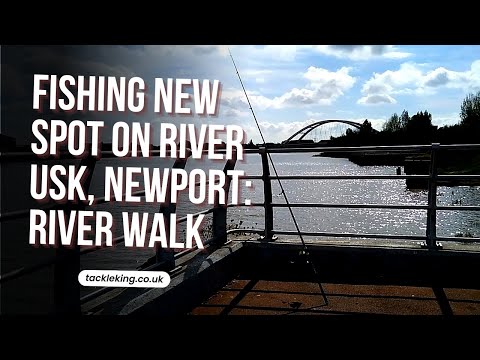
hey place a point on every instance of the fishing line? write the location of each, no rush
(304, 245)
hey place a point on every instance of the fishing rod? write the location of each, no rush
(304, 245)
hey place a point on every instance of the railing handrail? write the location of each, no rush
(431, 207)
(372, 148)
(106, 154)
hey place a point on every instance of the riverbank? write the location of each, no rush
(462, 162)
(369, 159)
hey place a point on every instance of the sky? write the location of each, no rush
(291, 86)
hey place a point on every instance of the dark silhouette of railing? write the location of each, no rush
(67, 261)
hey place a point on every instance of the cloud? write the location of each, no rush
(361, 52)
(437, 77)
(389, 80)
(274, 54)
(172, 50)
(230, 112)
(415, 79)
(339, 79)
(281, 52)
(323, 88)
(445, 119)
(289, 53)
(377, 99)
(210, 49)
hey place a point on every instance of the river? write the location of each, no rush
(359, 191)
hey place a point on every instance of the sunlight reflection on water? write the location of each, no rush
(358, 191)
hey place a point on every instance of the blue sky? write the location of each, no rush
(292, 86)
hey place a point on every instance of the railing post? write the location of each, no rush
(219, 222)
(167, 208)
(432, 200)
(66, 287)
(267, 195)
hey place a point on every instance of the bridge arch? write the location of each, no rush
(307, 129)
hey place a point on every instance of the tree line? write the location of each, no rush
(404, 129)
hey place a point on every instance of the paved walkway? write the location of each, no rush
(261, 297)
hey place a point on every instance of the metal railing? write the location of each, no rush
(67, 261)
(430, 239)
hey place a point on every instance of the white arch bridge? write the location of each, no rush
(307, 129)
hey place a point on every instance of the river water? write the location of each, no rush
(383, 221)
